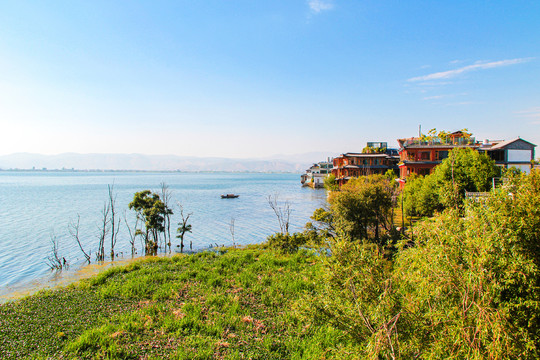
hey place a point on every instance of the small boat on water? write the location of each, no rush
(229, 196)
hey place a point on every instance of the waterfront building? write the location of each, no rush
(375, 159)
(314, 176)
(516, 153)
(420, 155)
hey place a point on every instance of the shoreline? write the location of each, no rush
(64, 277)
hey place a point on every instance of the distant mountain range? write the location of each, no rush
(132, 162)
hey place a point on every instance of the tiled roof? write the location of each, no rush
(503, 144)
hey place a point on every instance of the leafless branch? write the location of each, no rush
(283, 214)
(74, 232)
(166, 197)
(114, 221)
(103, 231)
(132, 233)
(54, 260)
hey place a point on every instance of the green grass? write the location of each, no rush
(239, 305)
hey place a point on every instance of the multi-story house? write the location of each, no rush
(315, 175)
(349, 165)
(420, 155)
(516, 153)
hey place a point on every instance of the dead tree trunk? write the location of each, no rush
(166, 195)
(132, 234)
(114, 221)
(74, 232)
(103, 231)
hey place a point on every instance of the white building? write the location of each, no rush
(314, 176)
(516, 153)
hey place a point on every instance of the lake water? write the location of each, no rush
(37, 205)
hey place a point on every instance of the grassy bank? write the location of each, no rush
(239, 305)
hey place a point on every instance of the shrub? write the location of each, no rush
(288, 243)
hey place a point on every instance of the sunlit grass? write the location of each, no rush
(238, 305)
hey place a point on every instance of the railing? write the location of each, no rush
(440, 141)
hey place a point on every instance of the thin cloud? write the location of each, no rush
(320, 5)
(529, 112)
(478, 66)
(463, 103)
(435, 97)
(533, 114)
(444, 96)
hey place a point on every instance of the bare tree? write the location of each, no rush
(114, 220)
(103, 231)
(231, 229)
(283, 213)
(183, 226)
(54, 260)
(74, 232)
(166, 196)
(132, 233)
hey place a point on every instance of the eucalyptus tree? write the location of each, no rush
(151, 211)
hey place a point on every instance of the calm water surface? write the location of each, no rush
(37, 205)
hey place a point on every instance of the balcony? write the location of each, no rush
(436, 141)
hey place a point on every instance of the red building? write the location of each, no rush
(349, 165)
(420, 155)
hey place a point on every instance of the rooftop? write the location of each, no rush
(437, 141)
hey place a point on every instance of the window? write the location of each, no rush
(441, 155)
(425, 155)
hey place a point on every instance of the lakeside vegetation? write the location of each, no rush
(463, 283)
(238, 304)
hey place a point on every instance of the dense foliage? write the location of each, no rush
(330, 182)
(467, 288)
(464, 170)
(362, 207)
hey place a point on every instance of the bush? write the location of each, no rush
(288, 243)
(469, 288)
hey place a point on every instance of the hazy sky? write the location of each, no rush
(254, 78)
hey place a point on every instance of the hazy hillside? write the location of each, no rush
(297, 163)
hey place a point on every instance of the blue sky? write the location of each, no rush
(257, 78)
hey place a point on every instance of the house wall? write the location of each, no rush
(519, 155)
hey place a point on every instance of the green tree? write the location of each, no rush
(183, 227)
(151, 211)
(330, 183)
(464, 170)
(362, 207)
(421, 196)
(391, 175)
